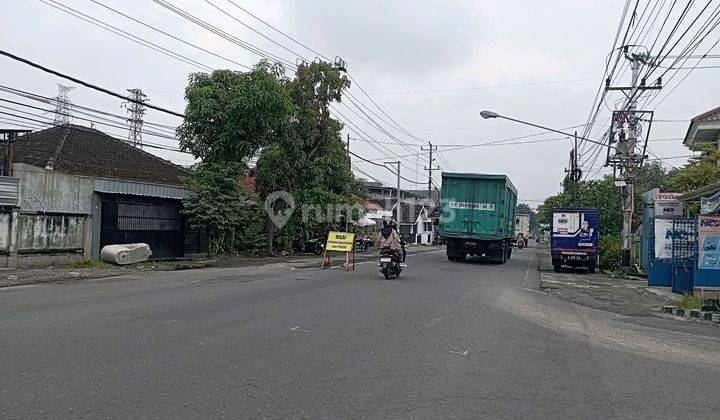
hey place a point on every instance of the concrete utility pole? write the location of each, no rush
(348, 151)
(430, 166)
(397, 206)
(627, 160)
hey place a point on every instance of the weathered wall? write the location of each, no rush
(43, 233)
(5, 232)
(52, 192)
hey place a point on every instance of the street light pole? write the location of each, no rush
(490, 114)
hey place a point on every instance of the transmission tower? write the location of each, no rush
(136, 109)
(62, 105)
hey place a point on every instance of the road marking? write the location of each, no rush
(527, 272)
(529, 290)
(297, 329)
(462, 354)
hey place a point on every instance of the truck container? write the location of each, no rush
(477, 215)
(574, 237)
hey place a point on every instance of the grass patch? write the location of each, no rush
(88, 264)
(689, 301)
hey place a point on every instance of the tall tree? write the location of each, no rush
(311, 161)
(230, 116)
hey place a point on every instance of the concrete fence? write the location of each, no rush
(42, 240)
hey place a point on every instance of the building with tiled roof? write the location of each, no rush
(79, 150)
(704, 129)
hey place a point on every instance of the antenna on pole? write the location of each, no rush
(62, 105)
(136, 109)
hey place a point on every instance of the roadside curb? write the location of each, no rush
(692, 313)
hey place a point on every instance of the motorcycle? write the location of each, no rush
(521, 243)
(314, 246)
(389, 264)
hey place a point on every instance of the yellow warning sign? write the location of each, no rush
(340, 241)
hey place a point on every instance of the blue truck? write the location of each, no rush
(574, 237)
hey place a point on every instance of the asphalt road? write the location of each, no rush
(445, 340)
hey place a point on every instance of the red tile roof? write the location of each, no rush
(712, 115)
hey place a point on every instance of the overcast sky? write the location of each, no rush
(432, 66)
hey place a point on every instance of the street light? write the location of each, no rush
(491, 114)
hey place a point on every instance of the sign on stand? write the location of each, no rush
(340, 242)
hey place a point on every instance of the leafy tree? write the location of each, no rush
(698, 172)
(216, 202)
(545, 209)
(310, 162)
(230, 115)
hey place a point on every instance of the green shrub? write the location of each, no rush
(610, 252)
(689, 301)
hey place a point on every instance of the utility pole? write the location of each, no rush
(62, 105)
(348, 151)
(626, 125)
(398, 211)
(430, 166)
(136, 109)
(574, 172)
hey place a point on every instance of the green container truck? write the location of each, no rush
(477, 215)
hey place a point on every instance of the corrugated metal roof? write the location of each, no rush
(114, 186)
(9, 190)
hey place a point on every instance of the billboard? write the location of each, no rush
(709, 242)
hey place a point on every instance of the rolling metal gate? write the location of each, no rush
(154, 221)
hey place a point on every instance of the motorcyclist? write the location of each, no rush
(388, 238)
(394, 225)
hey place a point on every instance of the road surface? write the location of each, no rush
(446, 340)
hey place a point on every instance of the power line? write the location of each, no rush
(50, 122)
(53, 101)
(108, 27)
(464, 89)
(225, 35)
(279, 31)
(84, 83)
(253, 29)
(171, 35)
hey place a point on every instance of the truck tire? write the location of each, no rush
(591, 268)
(509, 252)
(556, 268)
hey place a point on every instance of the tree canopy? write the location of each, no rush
(230, 115)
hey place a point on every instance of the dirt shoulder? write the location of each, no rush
(623, 295)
